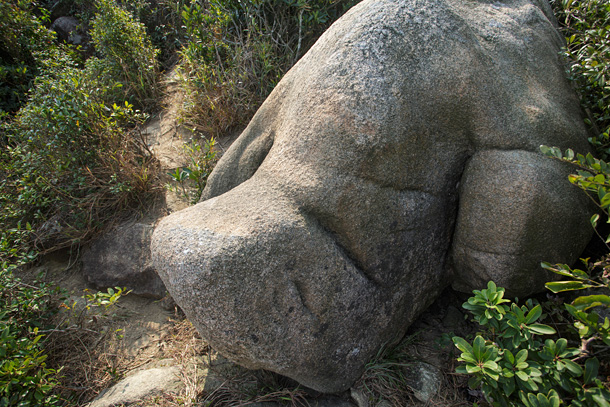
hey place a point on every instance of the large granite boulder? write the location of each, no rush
(399, 155)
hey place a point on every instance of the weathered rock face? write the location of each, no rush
(121, 258)
(400, 154)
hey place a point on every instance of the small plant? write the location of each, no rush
(93, 307)
(512, 365)
(192, 179)
(385, 377)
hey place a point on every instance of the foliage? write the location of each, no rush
(588, 311)
(164, 25)
(70, 161)
(72, 157)
(385, 377)
(237, 51)
(93, 306)
(586, 24)
(25, 379)
(513, 366)
(127, 55)
(193, 178)
(26, 50)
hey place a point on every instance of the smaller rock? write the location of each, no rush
(141, 384)
(359, 397)
(121, 258)
(424, 380)
(68, 30)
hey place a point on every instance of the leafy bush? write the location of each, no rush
(586, 24)
(26, 48)
(25, 379)
(71, 161)
(237, 52)
(72, 157)
(513, 366)
(127, 54)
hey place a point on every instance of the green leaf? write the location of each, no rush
(594, 220)
(478, 347)
(600, 400)
(573, 367)
(591, 370)
(521, 356)
(522, 375)
(534, 314)
(542, 329)
(590, 301)
(462, 344)
(470, 369)
(559, 286)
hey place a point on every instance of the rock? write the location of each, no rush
(405, 141)
(139, 385)
(121, 258)
(68, 30)
(453, 319)
(424, 380)
(537, 225)
(359, 397)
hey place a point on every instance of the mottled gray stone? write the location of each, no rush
(68, 30)
(329, 225)
(121, 258)
(142, 384)
(424, 380)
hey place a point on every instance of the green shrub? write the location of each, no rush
(513, 366)
(586, 24)
(26, 50)
(237, 52)
(25, 379)
(71, 161)
(73, 157)
(127, 55)
(193, 178)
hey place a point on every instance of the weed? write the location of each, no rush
(193, 178)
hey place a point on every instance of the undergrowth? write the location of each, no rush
(237, 51)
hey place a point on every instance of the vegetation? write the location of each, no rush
(192, 178)
(513, 366)
(237, 51)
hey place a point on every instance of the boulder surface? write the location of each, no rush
(399, 155)
(121, 258)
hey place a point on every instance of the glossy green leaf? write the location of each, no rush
(560, 286)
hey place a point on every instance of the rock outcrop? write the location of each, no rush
(400, 154)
